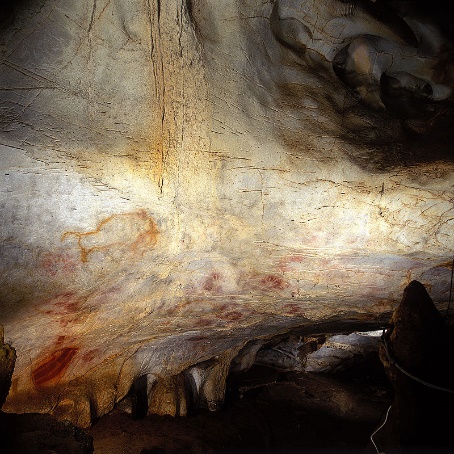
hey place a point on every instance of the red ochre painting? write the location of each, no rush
(52, 369)
(136, 231)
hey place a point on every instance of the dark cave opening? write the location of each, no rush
(266, 409)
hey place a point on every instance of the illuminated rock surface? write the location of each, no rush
(34, 433)
(180, 179)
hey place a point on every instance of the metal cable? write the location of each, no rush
(377, 430)
(413, 377)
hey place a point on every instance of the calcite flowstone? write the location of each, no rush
(180, 178)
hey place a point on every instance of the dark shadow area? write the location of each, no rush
(34, 433)
(9, 8)
(265, 411)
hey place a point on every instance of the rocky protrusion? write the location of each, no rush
(33, 433)
(416, 353)
(168, 397)
(7, 361)
(212, 391)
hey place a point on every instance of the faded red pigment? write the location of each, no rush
(53, 367)
(273, 282)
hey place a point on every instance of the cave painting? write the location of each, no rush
(132, 231)
(184, 179)
(53, 367)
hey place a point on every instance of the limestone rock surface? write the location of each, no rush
(7, 361)
(34, 433)
(180, 179)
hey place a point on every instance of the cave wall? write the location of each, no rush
(179, 178)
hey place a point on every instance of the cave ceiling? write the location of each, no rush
(182, 178)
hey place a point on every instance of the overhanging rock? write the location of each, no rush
(179, 179)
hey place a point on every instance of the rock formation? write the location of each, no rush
(416, 354)
(34, 433)
(7, 361)
(184, 180)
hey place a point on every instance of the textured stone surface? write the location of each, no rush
(179, 178)
(7, 361)
(34, 433)
(415, 353)
(341, 351)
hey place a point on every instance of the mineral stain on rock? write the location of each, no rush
(53, 367)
